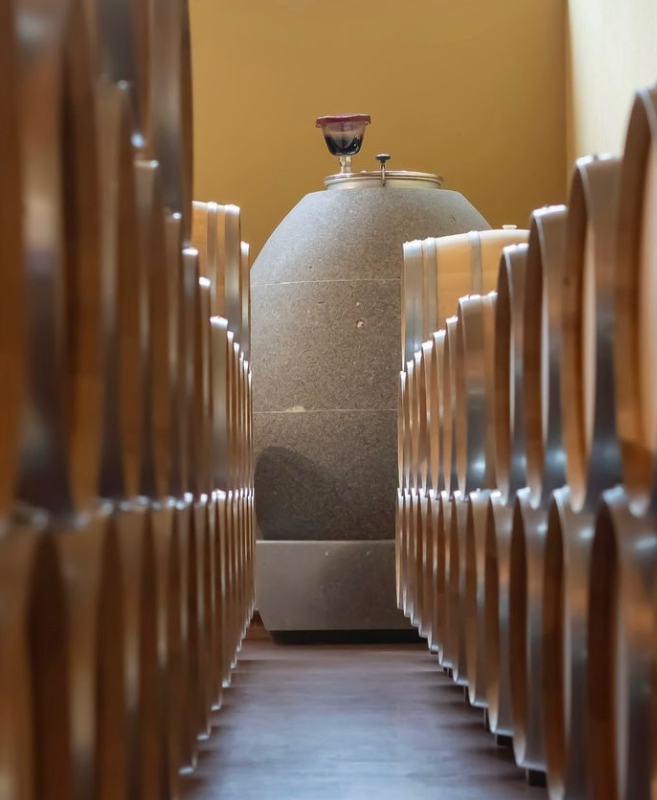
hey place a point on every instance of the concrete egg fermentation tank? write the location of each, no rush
(326, 342)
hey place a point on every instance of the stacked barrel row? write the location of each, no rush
(126, 491)
(527, 519)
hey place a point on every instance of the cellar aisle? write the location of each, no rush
(349, 722)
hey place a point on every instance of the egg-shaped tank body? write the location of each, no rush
(326, 357)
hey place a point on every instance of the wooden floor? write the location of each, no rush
(349, 722)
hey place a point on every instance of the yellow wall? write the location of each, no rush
(471, 89)
(612, 50)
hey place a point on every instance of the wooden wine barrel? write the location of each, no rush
(189, 375)
(433, 521)
(429, 523)
(205, 355)
(205, 366)
(124, 36)
(87, 547)
(230, 265)
(159, 400)
(132, 227)
(192, 381)
(140, 647)
(423, 614)
(233, 358)
(204, 240)
(526, 636)
(410, 424)
(235, 608)
(566, 609)
(233, 500)
(449, 405)
(221, 388)
(221, 612)
(166, 546)
(634, 341)
(417, 528)
(441, 616)
(622, 654)
(235, 412)
(93, 591)
(541, 372)
(86, 333)
(430, 283)
(498, 613)
(415, 557)
(399, 544)
(244, 389)
(420, 417)
(186, 710)
(400, 533)
(450, 521)
(225, 520)
(222, 353)
(408, 449)
(474, 463)
(543, 353)
(475, 599)
(411, 300)
(242, 495)
(202, 498)
(415, 422)
(124, 293)
(435, 410)
(589, 417)
(172, 107)
(401, 431)
(510, 467)
(456, 638)
(417, 575)
(41, 464)
(411, 521)
(475, 441)
(176, 324)
(197, 622)
(404, 550)
(489, 311)
(560, 339)
(226, 525)
(428, 389)
(35, 726)
(510, 472)
(61, 377)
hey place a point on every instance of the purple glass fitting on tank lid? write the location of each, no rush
(343, 134)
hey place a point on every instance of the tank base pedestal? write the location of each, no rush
(327, 585)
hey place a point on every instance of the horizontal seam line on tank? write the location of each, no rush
(329, 410)
(329, 280)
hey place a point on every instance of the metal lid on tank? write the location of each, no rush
(394, 179)
(343, 134)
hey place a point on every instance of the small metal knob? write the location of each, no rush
(382, 158)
